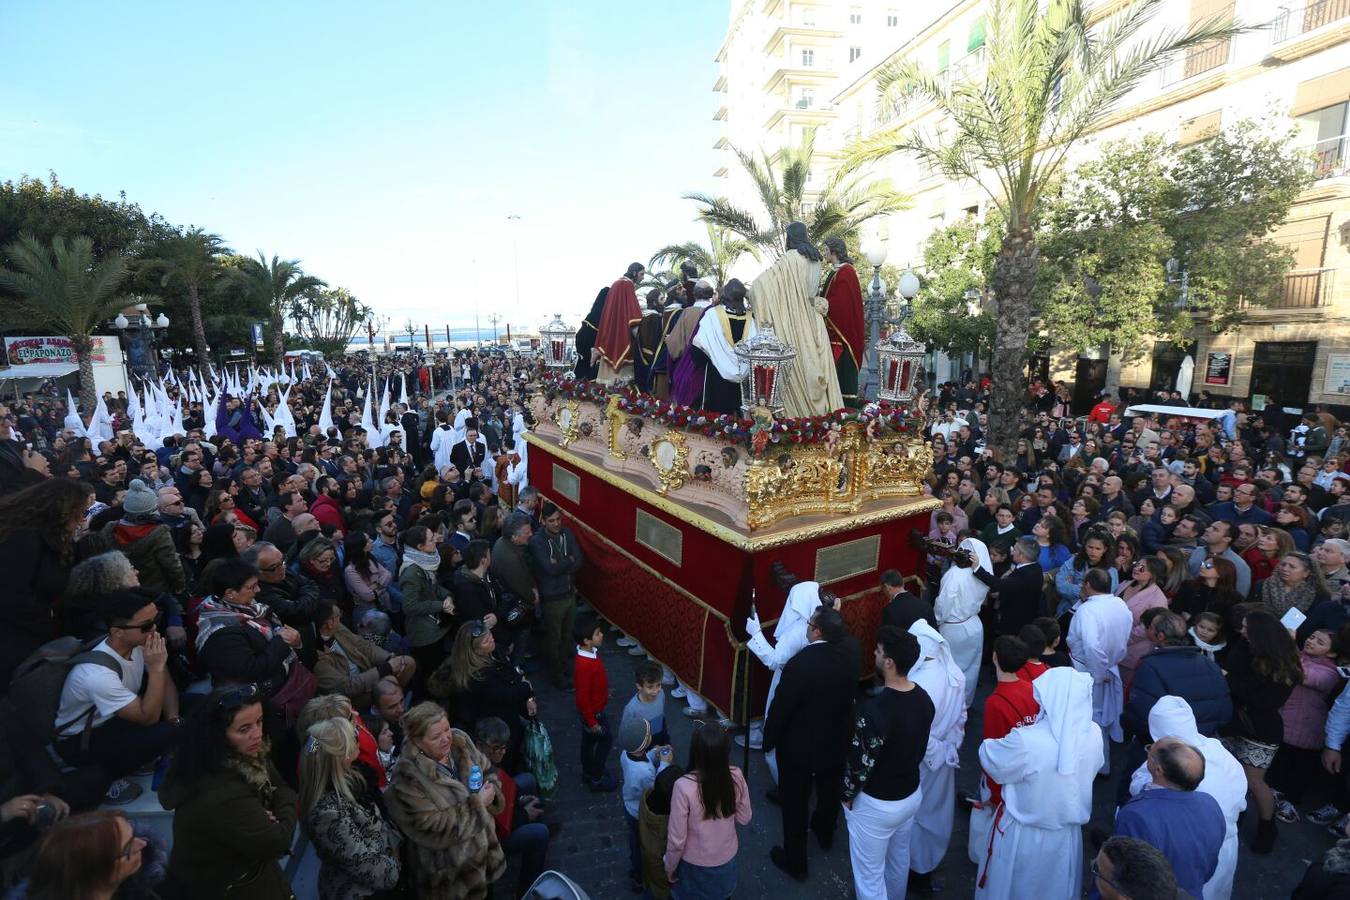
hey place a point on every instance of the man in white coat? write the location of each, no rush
(957, 608)
(1098, 634)
(442, 441)
(945, 685)
(1171, 717)
(1046, 769)
(789, 637)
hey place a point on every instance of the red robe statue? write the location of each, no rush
(614, 340)
(844, 322)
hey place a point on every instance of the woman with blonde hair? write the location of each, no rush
(452, 848)
(358, 850)
(479, 682)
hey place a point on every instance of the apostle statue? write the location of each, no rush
(586, 368)
(844, 320)
(714, 349)
(676, 300)
(686, 379)
(784, 299)
(648, 339)
(616, 335)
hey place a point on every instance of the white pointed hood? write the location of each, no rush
(802, 602)
(1065, 697)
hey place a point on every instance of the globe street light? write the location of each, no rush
(874, 314)
(137, 332)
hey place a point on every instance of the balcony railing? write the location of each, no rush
(967, 68)
(1330, 157)
(1303, 289)
(1301, 18)
(1196, 62)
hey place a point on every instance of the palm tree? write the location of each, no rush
(66, 290)
(193, 258)
(842, 204)
(1049, 81)
(277, 284)
(715, 259)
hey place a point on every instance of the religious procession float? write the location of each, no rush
(690, 519)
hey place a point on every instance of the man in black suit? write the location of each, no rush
(904, 609)
(809, 724)
(468, 454)
(1019, 591)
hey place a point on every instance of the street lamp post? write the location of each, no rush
(138, 335)
(874, 314)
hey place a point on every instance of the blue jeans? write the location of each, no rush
(704, 882)
(634, 849)
(531, 842)
(595, 749)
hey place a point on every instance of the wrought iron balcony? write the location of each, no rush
(1298, 19)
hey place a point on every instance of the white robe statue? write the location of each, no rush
(785, 298)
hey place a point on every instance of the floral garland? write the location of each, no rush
(879, 419)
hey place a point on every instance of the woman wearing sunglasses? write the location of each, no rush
(1141, 592)
(234, 816)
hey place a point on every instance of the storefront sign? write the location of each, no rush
(1338, 374)
(21, 351)
(1218, 368)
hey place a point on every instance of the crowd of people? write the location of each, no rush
(313, 631)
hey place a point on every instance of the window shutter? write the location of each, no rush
(976, 36)
(1319, 93)
(1201, 128)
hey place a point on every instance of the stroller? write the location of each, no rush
(553, 885)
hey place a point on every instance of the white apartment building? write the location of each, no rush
(1296, 65)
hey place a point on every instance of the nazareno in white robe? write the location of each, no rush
(945, 685)
(957, 609)
(1171, 717)
(789, 635)
(1046, 769)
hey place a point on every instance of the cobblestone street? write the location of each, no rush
(592, 849)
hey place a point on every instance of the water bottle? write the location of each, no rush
(475, 779)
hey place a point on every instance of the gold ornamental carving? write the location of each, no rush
(616, 422)
(568, 420)
(669, 454)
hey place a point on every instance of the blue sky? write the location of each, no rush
(383, 144)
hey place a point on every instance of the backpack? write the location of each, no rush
(35, 689)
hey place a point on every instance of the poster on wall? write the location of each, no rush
(1218, 368)
(21, 351)
(1338, 374)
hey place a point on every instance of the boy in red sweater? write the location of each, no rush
(592, 687)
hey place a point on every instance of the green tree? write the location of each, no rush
(192, 260)
(1226, 195)
(715, 258)
(65, 288)
(1104, 249)
(49, 209)
(276, 285)
(327, 319)
(1049, 81)
(958, 261)
(843, 203)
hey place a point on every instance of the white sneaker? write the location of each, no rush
(754, 744)
(692, 713)
(727, 723)
(678, 692)
(626, 641)
(668, 681)
(636, 650)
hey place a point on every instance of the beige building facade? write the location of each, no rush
(1294, 67)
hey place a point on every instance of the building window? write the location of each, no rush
(854, 53)
(855, 16)
(944, 56)
(806, 98)
(892, 19)
(976, 38)
(1324, 132)
(808, 57)
(809, 16)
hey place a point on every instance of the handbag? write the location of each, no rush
(539, 758)
(299, 689)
